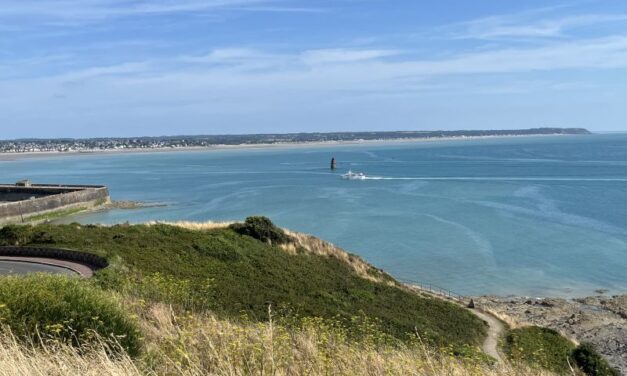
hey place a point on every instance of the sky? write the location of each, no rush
(96, 68)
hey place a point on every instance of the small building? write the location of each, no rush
(23, 183)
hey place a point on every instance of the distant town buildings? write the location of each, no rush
(96, 144)
(23, 183)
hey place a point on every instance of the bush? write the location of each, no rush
(14, 235)
(42, 237)
(66, 309)
(591, 362)
(541, 347)
(261, 228)
(184, 293)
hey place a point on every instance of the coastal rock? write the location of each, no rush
(600, 320)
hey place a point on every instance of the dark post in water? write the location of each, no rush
(333, 163)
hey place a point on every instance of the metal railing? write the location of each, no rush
(434, 289)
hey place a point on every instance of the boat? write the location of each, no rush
(350, 175)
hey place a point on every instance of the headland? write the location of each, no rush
(253, 267)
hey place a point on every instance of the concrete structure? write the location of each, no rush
(25, 201)
(83, 263)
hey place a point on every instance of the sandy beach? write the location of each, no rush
(278, 145)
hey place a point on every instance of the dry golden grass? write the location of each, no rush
(196, 226)
(195, 345)
(17, 359)
(323, 248)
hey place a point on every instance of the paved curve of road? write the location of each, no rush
(20, 265)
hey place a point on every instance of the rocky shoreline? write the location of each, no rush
(110, 205)
(600, 320)
(131, 205)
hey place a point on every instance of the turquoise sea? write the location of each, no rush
(532, 216)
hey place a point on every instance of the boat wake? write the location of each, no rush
(499, 178)
(350, 175)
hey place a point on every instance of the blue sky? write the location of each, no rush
(71, 68)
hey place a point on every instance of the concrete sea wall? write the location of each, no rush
(46, 199)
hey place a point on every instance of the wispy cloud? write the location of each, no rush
(341, 55)
(125, 69)
(91, 10)
(530, 25)
(340, 69)
(188, 69)
(598, 53)
(227, 55)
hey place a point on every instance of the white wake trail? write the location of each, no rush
(470, 178)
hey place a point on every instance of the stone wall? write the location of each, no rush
(48, 199)
(93, 261)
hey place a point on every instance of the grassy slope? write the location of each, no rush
(546, 348)
(246, 274)
(540, 347)
(200, 345)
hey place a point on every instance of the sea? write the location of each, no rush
(525, 216)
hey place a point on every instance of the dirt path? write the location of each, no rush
(495, 326)
(495, 331)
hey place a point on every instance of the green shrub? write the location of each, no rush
(14, 235)
(261, 228)
(67, 309)
(42, 237)
(541, 347)
(185, 293)
(591, 362)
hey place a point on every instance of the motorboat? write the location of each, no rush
(350, 175)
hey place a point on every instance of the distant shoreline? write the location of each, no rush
(14, 156)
